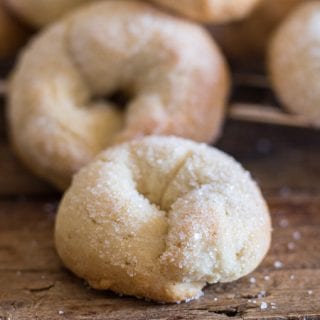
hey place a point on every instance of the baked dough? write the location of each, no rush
(175, 74)
(159, 218)
(18, 18)
(39, 13)
(295, 61)
(12, 32)
(245, 42)
(213, 11)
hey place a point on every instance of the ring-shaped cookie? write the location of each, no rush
(160, 217)
(172, 70)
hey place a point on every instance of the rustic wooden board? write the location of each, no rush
(34, 285)
(286, 163)
(15, 179)
(282, 160)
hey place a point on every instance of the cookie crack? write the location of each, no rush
(173, 175)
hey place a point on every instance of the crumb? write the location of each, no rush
(283, 223)
(296, 235)
(263, 305)
(278, 264)
(262, 294)
(252, 280)
(291, 246)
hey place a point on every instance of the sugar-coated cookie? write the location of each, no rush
(160, 218)
(174, 74)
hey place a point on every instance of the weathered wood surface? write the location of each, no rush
(34, 285)
(286, 163)
(282, 159)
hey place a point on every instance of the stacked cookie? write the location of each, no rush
(157, 217)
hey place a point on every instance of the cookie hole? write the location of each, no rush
(119, 98)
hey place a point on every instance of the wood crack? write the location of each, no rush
(230, 312)
(41, 288)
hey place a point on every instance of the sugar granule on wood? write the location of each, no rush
(296, 235)
(291, 246)
(278, 264)
(252, 280)
(283, 223)
(263, 305)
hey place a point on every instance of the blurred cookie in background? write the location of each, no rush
(245, 42)
(39, 13)
(210, 11)
(294, 61)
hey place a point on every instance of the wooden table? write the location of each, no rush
(286, 163)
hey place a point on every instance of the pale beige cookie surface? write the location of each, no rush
(39, 13)
(294, 61)
(174, 74)
(160, 217)
(213, 11)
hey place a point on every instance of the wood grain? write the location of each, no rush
(34, 285)
(286, 163)
(15, 179)
(258, 113)
(281, 159)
